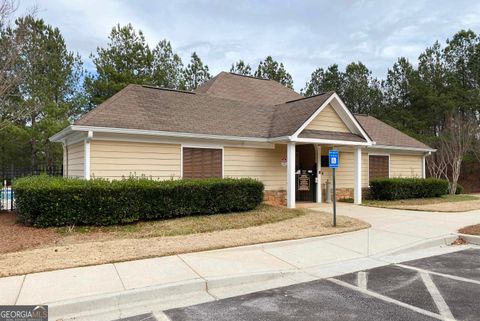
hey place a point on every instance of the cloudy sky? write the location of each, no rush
(304, 35)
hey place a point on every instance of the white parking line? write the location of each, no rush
(453, 277)
(437, 297)
(390, 300)
(362, 280)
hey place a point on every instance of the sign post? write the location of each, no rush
(333, 164)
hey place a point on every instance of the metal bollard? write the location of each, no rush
(328, 192)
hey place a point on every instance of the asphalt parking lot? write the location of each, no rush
(444, 287)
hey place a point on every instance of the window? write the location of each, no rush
(202, 162)
(378, 166)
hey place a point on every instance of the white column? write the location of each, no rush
(357, 190)
(86, 160)
(424, 174)
(65, 159)
(291, 175)
(319, 170)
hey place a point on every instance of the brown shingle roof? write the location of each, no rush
(152, 108)
(323, 134)
(290, 116)
(248, 89)
(148, 108)
(387, 135)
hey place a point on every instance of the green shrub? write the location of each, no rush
(459, 189)
(55, 201)
(403, 188)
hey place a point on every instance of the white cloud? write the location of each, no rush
(304, 35)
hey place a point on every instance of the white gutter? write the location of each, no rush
(77, 128)
(59, 136)
(404, 148)
(330, 141)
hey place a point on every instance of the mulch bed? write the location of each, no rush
(472, 230)
(16, 237)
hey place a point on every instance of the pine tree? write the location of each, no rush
(127, 59)
(167, 66)
(241, 68)
(271, 69)
(195, 74)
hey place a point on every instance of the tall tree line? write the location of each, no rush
(436, 101)
(44, 86)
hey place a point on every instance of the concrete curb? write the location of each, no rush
(473, 239)
(87, 307)
(78, 306)
(220, 282)
(445, 240)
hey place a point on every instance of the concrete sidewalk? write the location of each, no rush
(391, 230)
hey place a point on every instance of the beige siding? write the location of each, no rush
(345, 173)
(262, 164)
(116, 160)
(405, 165)
(75, 160)
(401, 165)
(328, 120)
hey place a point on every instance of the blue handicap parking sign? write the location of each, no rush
(333, 159)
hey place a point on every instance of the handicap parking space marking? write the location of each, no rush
(391, 300)
(394, 282)
(449, 276)
(461, 297)
(464, 264)
(322, 300)
(437, 297)
(454, 297)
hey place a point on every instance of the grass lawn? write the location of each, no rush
(19, 237)
(264, 214)
(445, 203)
(472, 230)
(27, 249)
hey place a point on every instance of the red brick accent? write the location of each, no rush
(275, 198)
(343, 193)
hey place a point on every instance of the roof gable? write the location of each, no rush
(328, 120)
(339, 113)
(248, 89)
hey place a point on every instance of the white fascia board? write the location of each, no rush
(352, 118)
(330, 142)
(281, 139)
(351, 122)
(412, 149)
(59, 137)
(164, 133)
(312, 117)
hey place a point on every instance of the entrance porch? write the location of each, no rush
(308, 173)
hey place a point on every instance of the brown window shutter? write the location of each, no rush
(202, 162)
(378, 166)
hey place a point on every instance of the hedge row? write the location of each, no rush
(54, 201)
(403, 188)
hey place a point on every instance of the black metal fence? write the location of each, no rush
(7, 195)
(7, 199)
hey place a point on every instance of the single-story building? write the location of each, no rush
(239, 126)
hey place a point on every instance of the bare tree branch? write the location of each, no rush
(459, 138)
(12, 39)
